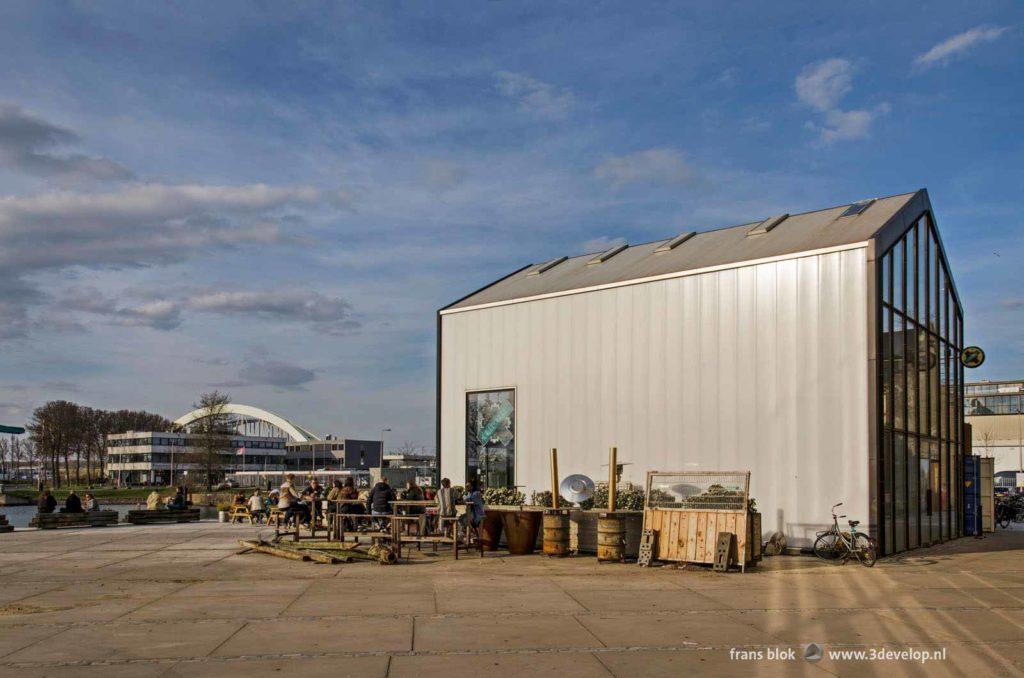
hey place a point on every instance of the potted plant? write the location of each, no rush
(521, 525)
(223, 511)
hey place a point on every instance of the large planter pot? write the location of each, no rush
(490, 530)
(521, 529)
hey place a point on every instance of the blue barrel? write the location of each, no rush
(972, 495)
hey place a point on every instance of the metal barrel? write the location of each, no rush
(556, 532)
(611, 538)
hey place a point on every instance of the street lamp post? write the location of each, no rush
(382, 432)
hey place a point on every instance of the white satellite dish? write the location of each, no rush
(576, 488)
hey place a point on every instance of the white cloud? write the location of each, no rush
(535, 96)
(842, 125)
(822, 86)
(653, 166)
(958, 45)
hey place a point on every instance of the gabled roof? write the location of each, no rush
(771, 236)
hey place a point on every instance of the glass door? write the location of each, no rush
(490, 437)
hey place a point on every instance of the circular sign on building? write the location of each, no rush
(972, 356)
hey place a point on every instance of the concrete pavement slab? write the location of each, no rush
(456, 633)
(562, 664)
(120, 641)
(297, 636)
(700, 629)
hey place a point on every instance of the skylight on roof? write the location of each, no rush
(548, 266)
(856, 208)
(607, 254)
(676, 241)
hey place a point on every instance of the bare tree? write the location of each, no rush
(213, 433)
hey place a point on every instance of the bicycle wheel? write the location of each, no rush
(829, 546)
(1003, 520)
(866, 550)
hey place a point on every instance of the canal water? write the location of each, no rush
(19, 516)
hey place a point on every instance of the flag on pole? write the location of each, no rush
(240, 452)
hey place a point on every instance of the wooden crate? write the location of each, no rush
(690, 535)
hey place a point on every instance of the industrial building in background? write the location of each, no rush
(818, 351)
(258, 445)
(995, 411)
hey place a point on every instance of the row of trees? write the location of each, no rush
(69, 435)
(67, 440)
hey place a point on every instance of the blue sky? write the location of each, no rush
(274, 200)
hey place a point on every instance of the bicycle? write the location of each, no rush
(833, 544)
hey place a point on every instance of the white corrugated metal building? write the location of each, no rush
(754, 347)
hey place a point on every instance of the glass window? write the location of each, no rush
(901, 464)
(888, 489)
(887, 366)
(933, 385)
(897, 275)
(912, 335)
(899, 364)
(490, 437)
(923, 253)
(913, 507)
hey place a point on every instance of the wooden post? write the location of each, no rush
(554, 477)
(612, 489)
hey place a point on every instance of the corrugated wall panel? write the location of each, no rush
(761, 367)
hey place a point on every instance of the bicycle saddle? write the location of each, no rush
(854, 523)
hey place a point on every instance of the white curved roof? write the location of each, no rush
(296, 433)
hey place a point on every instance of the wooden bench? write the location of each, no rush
(240, 513)
(149, 517)
(51, 521)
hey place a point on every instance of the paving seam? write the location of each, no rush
(693, 647)
(507, 615)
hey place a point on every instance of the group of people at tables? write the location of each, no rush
(73, 504)
(345, 498)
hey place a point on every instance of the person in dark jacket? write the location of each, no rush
(379, 500)
(179, 501)
(73, 504)
(46, 503)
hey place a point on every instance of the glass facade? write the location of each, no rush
(490, 437)
(921, 394)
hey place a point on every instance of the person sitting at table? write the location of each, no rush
(73, 504)
(179, 501)
(255, 503)
(445, 502)
(379, 501)
(475, 509)
(46, 503)
(413, 492)
(238, 500)
(313, 494)
(90, 503)
(288, 501)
